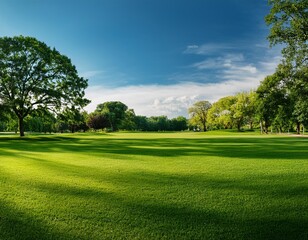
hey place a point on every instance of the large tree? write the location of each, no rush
(288, 20)
(34, 77)
(198, 113)
(272, 97)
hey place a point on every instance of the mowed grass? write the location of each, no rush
(154, 186)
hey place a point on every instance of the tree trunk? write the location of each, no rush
(21, 126)
(204, 127)
(238, 127)
(298, 128)
(261, 127)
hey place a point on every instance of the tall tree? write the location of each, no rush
(198, 113)
(289, 25)
(34, 77)
(270, 97)
(288, 20)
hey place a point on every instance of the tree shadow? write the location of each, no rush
(149, 205)
(135, 216)
(17, 224)
(231, 147)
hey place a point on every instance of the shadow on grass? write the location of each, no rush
(16, 224)
(140, 215)
(232, 147)
(147, 205)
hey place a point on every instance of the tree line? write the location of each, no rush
(108, 116)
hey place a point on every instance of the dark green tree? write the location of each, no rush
(142, 123)
(271, 96)
(74, 118)
(114, 111)
(178, 124)
(129, 121)
(34, 77)
(97, 121)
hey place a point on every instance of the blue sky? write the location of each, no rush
(156, 56)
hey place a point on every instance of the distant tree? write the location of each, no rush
(114, 111)
(270, 95)
(141, 123)
(251, 108)
(97, 121)
(158, 123)
(74, 118)
(243, 110)
(6, 117)
(40, 122)
(198, 113)
(129, 121)
(219, 115)
(83, 124)
(162, 123)
(178, 124)
(34, 77)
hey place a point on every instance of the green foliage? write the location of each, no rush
(198, 114)
(129, 121)
(141, 123)
(97, 121)
(289, 25)
(34, 78)
(43, 122)
(212, 185)
(178, 124)
(220, 115)
(243, 109)
(75, 119)
(282, 97)
(114, 112)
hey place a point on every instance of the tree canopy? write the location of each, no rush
(288, 20)
(199, 113)
(34, 77)
(114, 112)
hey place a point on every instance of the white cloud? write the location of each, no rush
(174, 100)
(219, 62)
(90, 74)
(232, 73)
(207, 49)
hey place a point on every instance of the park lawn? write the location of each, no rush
(153, 186)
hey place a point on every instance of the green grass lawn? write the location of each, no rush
(154, 186)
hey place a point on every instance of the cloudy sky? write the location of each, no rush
(156, 56)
